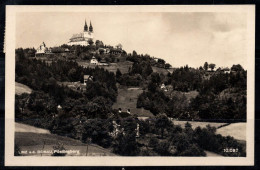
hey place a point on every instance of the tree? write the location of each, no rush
(237, 67)
(118, 73)
(99, 43)
(206, 66)
(162, 123)
(167, 65)
(212, 66)
(90, 42)
(162, 148)
(17, 150)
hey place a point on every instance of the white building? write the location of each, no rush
(94, 61)
(83, 37)
(42, 50)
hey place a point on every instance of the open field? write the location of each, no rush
(19, 127)
(35, 140)
(127, 98)
(21, 88)
(212, 154)
(160, 70)
(236, 130)
(197, 124)
(122, 66)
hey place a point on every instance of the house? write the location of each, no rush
(119, 46)
(59, 107)
(155, 59)
(115, 51)
(163, 86)
(87, 78)
(103, 62)
(94, 61)
(43, 50)
(103, 50)
(225, 70)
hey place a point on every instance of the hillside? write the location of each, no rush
(112, 67)
(21, 88)
(35, 140)
(127, 98)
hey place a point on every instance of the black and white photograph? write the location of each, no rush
(137, 84)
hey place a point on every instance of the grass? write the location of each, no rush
(197, 124)
(30, 138)
(21, 88)
(28, 141)
(160, 70)
(19, 127)
(236, 130)
(122, 66)
(127, 99)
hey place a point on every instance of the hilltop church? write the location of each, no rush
(83, 37)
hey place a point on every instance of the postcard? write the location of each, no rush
(129, 85)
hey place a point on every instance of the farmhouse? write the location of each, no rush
(87, 78)
(103, 62)
(94, 61)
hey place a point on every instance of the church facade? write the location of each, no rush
(83, 37)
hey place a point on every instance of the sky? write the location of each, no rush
(179, 38)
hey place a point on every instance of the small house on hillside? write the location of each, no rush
(225, 70)
(94, 61)
(103, 62)
(87, 78)
(116, 51)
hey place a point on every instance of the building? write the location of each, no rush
(87, 78)
(225, 70)
(103, 62)
(116, 51)
(94, 61)
(42, 50)
(83, 37)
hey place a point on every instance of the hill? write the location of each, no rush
(21, 88)
(127, 98)
(34, 140)
(112, 67)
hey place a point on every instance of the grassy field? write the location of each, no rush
(30, 138)
(212, 154)
(237, 130)
(127, 98)
(19, 127)
(197, 124)
(160, 70)
(21, 88)
(122, 66)
(34, 142)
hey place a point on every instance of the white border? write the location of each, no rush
(11, 160)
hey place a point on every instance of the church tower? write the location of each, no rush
(90, 27)
(86, 27)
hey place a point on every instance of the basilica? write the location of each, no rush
(83, 37)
